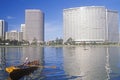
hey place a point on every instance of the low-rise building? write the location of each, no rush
(14, 35)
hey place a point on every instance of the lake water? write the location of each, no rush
(72, 63)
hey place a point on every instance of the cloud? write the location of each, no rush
(10, 17)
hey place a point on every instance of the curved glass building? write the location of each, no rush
(90, 24)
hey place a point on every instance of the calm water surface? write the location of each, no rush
(72, 63)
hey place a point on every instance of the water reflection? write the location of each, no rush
(16, 56)
(33, 53)
(2, 58)
(13, 56)
(90, 63)
(114, 63)
(72, 63)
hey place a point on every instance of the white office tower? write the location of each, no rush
(91, 24)
(3, 28)
(22, 28)
(34, 25)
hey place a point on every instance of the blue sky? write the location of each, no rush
(13, 11)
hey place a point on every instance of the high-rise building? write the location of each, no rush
(34, 25)
(3, 28)
(91, 24)
(22, 28)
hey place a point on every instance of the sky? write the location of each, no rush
(13, 11)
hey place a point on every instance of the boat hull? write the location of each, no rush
(19, 73)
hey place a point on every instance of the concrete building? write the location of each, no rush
(91, 24)
(22, 28)
(14, 35)
(3, 28)
(34, 25)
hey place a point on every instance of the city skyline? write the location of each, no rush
(13, 12)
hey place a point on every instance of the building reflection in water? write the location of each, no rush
(114, 63)
(13, 56)
(89, 63)
(33, 53)
(16, 56)
(2, 59)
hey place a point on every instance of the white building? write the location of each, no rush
(14, 35)
(112, 26)
(3, 28)
(34, 25)
(90, 24)
(22, 28)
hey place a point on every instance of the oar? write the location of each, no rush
(39, 66)
(9, 78)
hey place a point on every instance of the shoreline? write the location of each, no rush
(63, 46)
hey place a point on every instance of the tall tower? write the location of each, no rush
(34, 25)
(22, 27)
(3, 28)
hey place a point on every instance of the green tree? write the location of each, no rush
(34, 42)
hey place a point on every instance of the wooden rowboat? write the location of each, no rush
(17, 72)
